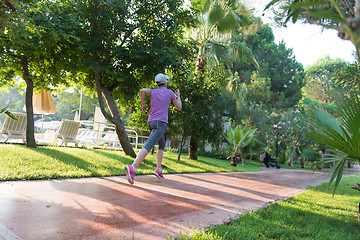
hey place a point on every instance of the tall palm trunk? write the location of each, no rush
(30, 138)
(199, 73)
(357, 16)
(200, 65)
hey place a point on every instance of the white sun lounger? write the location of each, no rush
(14, 129)
(67, 131)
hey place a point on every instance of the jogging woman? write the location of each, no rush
(160, 99)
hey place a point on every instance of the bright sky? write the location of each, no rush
(309, 42)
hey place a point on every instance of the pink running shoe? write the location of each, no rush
(130, 174)
(158, 174)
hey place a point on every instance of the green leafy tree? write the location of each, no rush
(321, 84)
(349, 76)
(6, 6)
(121, 47)
(277, 63)
(258, 89)
(14, 54)
(199, 116)
(262, 93)
(294, 124)
(27, 38)
(256, 115)
(249, 106)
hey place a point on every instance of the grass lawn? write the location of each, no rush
(21, 163)
(314, 214)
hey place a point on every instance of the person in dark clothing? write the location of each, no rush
(269, 161)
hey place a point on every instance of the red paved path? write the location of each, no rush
(111, 208)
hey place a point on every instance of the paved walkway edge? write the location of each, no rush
(6, 234)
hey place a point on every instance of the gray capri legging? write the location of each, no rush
(157, 129)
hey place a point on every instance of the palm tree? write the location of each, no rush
(342, 135)
(237, 89)
(218, 20)
(238, 139)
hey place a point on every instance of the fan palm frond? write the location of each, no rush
(241, 52)
(342, 136)
(323, 120)
(350, 114)
(218, 51)
(216, 25)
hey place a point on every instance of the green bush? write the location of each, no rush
(223, 153)
(281, 158)
(311, 155)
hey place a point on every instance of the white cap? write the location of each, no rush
(161, 78)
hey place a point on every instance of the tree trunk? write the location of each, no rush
(174, 142)
(115, 115)
(357, 16)
(10, 5)
(302, 163)
(183, 140)
(30, 138)
(199, 73)
(193, 147)
(293, 152)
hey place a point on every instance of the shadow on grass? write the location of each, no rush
(215, 163)
(346, 190)
(185, 163)
(288, 222)
(109, 154)
(72, 160)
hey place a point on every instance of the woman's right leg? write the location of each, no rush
(160, 152)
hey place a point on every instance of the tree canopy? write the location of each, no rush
(29, 40)
(277, 63)
(322, 85)
(121, 47)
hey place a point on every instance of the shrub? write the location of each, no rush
(223, 153)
